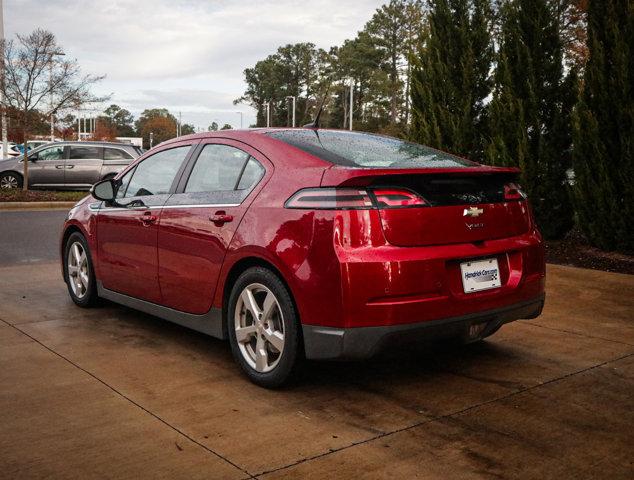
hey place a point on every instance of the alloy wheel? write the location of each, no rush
(259, 327)
(9, 181)
(77, 265)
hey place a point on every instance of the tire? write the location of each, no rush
(269, 349)
(10, 180)
(79, 273)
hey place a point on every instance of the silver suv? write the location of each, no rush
(68, 165)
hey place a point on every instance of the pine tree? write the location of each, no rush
(604, 128)
(530, 113)
(450, 77)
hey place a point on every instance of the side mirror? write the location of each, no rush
(33, 158)
(104, 190)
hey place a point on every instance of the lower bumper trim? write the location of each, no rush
(328, 343)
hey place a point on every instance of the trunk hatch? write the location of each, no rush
(462, 208)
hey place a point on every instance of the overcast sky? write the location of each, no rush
(184, 55)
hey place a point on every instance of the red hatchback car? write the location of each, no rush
(318, 243)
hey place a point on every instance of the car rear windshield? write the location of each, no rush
(354, 149)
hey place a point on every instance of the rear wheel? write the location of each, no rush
(78, 271)
(263, 327)
(10, 180)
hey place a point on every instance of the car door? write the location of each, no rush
(127, 228)
(83, 166)
(46, 167)
(199, 221)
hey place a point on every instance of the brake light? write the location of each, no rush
(330, 199)
(397, 198)
(512, 191)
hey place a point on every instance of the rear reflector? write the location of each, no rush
(512, 191)
(330, 199)
(397, 198)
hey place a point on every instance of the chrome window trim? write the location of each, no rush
(158, 207)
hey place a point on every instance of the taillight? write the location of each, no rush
(330, 199)
(512, 191)
(397, 198)
(354, 199)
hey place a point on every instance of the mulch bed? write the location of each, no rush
(575, 251)
(18, 195)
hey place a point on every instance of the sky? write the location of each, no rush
(184, 55)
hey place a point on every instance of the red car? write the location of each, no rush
(312, 243)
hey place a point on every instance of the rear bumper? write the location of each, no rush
(328, 343)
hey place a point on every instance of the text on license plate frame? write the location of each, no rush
(479, 275)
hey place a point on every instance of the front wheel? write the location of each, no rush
(78, 271)
(263, 328)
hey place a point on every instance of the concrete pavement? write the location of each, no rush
(114, 393)
(30, 236)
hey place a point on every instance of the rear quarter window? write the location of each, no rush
(115, 154)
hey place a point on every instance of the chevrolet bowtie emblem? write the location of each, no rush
(472, 212)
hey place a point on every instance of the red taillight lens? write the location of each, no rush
(512, 191)
(397, 198)
(330, 199)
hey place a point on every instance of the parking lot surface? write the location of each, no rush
(114, 393)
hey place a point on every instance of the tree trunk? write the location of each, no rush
(25, 161)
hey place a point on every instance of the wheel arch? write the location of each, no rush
(15, 172)
(236, 270)
(68, 231)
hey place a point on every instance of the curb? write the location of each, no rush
(36, 205)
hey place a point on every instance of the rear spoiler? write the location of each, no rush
(359, 177)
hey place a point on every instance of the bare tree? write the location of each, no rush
(36, 81)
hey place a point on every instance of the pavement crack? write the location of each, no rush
(533, 324)
(445, 416)
(138, 405)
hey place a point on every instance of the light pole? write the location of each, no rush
(151, 139)
(241, 115)
(5, 144)
(294, 99)
(268, 114)
(50, 86)
(351, 101)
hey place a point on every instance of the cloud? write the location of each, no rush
(188, 54)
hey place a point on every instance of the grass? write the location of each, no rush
(18, 195)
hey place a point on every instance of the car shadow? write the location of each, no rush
(396, 364)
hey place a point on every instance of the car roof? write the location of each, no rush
(291, 156)
(95, 143)
(88, 143)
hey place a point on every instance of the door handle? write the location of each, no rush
(220, 218)
(147, 219)
(59, 166)
(70, 166)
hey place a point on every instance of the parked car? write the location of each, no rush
(12, 150)
(68, 165)
(304, 242)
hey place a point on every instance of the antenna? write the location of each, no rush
(315, 123)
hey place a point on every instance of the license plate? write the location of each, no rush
(480, 275)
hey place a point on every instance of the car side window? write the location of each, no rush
(115, 154)
(51, 153)
(218, 168)
(123, 186)
(84, 152)
(155, 174)
(251, 175)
